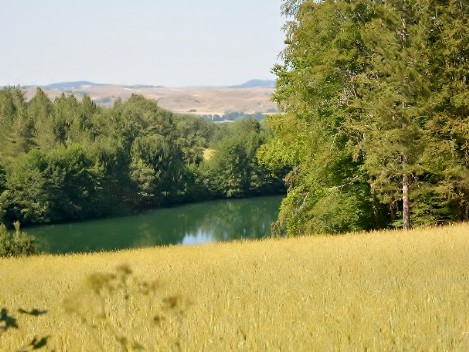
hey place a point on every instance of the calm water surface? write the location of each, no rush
(196, 223)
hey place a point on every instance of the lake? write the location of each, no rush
(196, 223)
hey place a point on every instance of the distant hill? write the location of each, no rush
(71, 85)
(140, 86)
(253, 97)
(254, 83)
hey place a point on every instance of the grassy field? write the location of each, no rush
(384, 291)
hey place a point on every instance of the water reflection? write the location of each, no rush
(197, 239)
(189, 224)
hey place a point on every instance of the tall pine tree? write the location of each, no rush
(394, 93)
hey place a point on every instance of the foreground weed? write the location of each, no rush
(123, 312)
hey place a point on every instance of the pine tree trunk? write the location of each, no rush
(405, 202)
(405, 195)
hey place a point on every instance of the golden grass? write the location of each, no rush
(208, 153)
(384, 291)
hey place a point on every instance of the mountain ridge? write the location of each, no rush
(69, 85)
(254, 83)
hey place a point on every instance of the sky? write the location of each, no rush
(158, 42)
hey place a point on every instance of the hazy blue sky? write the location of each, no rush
(167, 42)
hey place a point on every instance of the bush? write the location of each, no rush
(15, 244)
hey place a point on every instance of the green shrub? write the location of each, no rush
(16, 244)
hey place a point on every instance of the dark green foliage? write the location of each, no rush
(65, 183)
(155, 167)
(74, 181)
(194, 135)
(406, 103)
(26, 197)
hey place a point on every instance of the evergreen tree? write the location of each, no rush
(447, 129)
(17, 129)
(415, 76)
(66, 111)
(394, 96)
(41, 110)
(82, 126)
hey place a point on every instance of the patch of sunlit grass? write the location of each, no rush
(382, 291)
(208, 153)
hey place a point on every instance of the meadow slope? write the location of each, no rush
(384, 291)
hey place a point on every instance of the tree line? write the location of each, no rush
(71, 159)
(375, 127)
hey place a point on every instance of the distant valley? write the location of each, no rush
(248, 98)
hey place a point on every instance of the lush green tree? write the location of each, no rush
(140, 116)
(82, 126)
(156, 159)
(156, 168)
(66, 111)
(64, 184)
(27, 197)
(117, 194)
(316, 85)
(193, 135)
(2, 188)
(228, 171)
(374, 123)
(74, 182)
(234, 169)
(41, 110)
(17, 129)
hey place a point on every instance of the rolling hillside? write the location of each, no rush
(250, 97)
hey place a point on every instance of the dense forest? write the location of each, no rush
(376, 115)
(70, 159)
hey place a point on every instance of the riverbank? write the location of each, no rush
(379, 291)
(194, 223)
